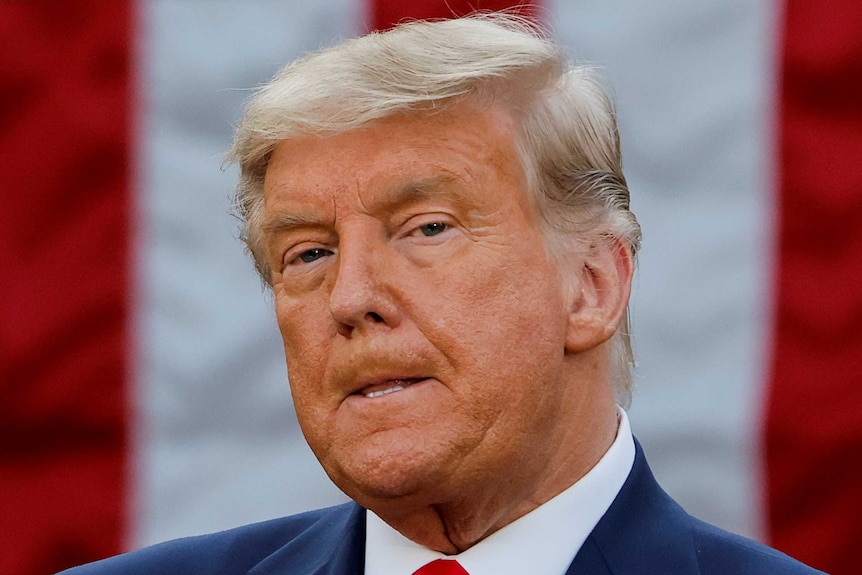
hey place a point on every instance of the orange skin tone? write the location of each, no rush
(407, 259)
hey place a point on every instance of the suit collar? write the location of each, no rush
(643, 522)
(334, 545)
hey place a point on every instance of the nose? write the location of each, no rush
(361, 296)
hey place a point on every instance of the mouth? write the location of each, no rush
(379, 389)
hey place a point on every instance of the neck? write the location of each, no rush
(478, 509)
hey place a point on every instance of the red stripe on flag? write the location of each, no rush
(387, 13)
(814, 427)
(64, 255)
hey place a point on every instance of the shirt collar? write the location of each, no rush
(543, 542)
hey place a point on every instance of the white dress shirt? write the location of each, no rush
(542, 542)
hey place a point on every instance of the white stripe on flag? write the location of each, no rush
(217, 443)
(695, 86)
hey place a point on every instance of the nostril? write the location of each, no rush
(374, 317)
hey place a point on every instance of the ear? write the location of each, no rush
(600, 294)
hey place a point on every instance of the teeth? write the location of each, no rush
(379, 390)
(383, 392)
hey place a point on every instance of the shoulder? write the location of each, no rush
(644, 525)
(227, 552)
(722, 552)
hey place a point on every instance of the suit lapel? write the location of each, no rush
(643, 532)
(335, 545)
(589, 560)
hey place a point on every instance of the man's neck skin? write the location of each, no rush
(477, 511)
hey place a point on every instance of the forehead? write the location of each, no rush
(419, 156)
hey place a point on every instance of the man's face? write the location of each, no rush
(423, 323)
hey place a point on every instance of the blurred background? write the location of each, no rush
(143, 392)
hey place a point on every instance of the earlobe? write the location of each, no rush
(601, 295)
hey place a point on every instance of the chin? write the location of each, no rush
(388, 477)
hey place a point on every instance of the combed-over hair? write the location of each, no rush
(567, 133)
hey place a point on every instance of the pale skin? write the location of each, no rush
(443, 372)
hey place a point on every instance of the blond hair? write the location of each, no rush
(567, 134)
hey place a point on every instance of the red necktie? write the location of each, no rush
(442, 567)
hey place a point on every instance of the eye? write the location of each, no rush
(311, 255)
(433, 229)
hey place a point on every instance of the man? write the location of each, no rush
(441, 214)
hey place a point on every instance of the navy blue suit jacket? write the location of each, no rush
(644, 532)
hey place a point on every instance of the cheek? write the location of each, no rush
(301, 321)
(483, 298)
(303, 332)
(489, 313)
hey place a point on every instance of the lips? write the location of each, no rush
(379, 389)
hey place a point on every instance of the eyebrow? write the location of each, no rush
(393, 197)
(280, 223)
(416, 190)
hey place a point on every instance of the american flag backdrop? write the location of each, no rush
(143, 392)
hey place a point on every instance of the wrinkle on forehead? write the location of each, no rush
(391, 198)
(420, 170)
(408, 190)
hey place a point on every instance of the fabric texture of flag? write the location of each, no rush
(143, 392)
